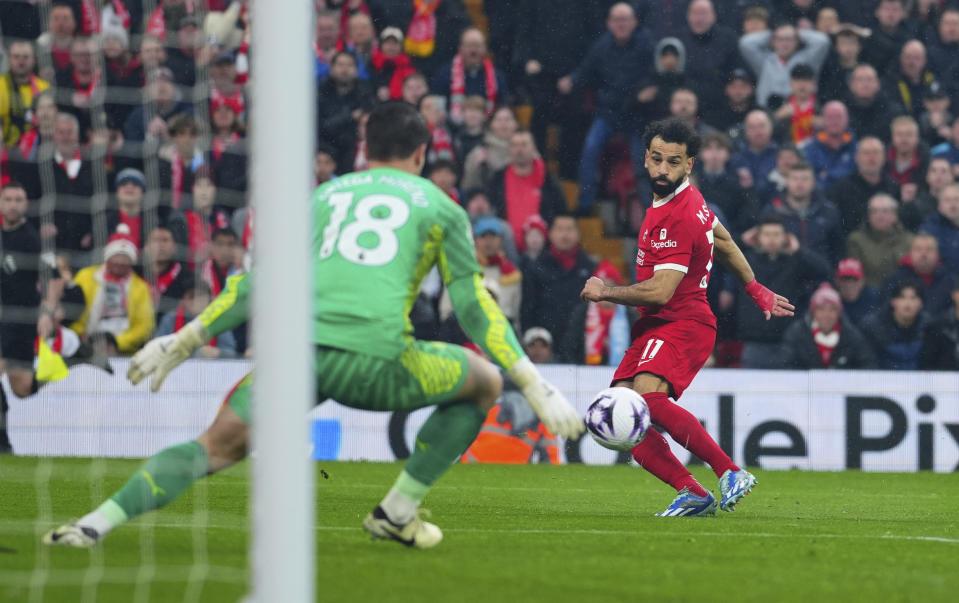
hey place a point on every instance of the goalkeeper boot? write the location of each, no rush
(72, 534)
(687, 504)
(417, 533)
(734, 485)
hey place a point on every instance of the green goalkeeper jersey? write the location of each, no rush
(376, 235)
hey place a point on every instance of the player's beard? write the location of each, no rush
(663, 186)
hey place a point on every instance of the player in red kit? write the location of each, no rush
(676, 330)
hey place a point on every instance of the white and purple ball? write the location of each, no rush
(618, 418)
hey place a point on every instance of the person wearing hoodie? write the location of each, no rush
(895, 331)
(711, 52)
(824, 338)
(944, 225)
(922, 264)
(881, 241)
(652, 102)
(807, 214)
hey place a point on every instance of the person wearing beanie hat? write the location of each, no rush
(534, 236)
(824, 338)
(119, 308)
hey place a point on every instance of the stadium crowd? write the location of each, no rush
(830, 150)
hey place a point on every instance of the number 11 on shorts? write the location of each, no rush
(650, 351)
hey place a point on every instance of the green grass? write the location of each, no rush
(527, 533)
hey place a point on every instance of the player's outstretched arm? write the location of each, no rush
(163, 354)
(655, 291)
(730, 256)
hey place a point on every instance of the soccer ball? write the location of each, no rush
(618, 418)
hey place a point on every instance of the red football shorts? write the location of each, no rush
(674, 350)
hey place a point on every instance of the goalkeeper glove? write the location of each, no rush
(556, 413)
(163, 354)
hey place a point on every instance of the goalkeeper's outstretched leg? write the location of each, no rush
(167, 474)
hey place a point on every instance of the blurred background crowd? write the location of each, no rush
(830, 152)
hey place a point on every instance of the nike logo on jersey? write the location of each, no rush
(641, 362)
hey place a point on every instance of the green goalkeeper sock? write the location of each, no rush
(443, 438)
(158, 482)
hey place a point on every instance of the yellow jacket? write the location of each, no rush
(140, 317)
(11, 131)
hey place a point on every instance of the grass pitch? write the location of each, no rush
(512, 533)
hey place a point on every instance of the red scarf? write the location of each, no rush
(235, 101)
(598, 320)
(177, 177)
(402, 67)
(163, 281)
(458, 88)
(211, 277)
(801, 121)
(201, 230)
(360, 161)
(442, 146)
(905, 176)
(565, 259)
(134, 224)
(156, 25)
(247, 239)
(4, 169)
(242, 61)
(220, 144)
(180, 320)
(505, 266)
(825, 342)
(523, 195)
(421, 34)
(91, 17)
(86, 89)
(322, 55)
(64, 165)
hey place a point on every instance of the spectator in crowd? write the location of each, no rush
(739, 99)
(755, 19)
(895, 332)
(534, 239)
(832, 150)
(79, 82)
(779, 260)
(775, 185)
(753, 163)
(167, 277)
(389, 65)
(432, 28)
(54, 45)
(225, 90)
(180, 160)
(470, 73)
(341, 100)
(224, 259)
(551, 288)
(551, 38)
(616, 66)
(721, 188)
(914, 212)
(940, 339)
(164, 21)
(525, 187)
(949, 149)
(944, 225)
(152, 55)
(913, 81)
(161, 103)
(684, 105)
(227, 156)
(538, 345)
(851, 193)
(794, 118)
(824, 338)
(325, 44)
(433, 109)
(842, 60)
(668, 77)
(858, 299)
(808, 215)
(205, 217)
(18, 88)
(497, 268)
(195, 298)
(119, 311)
(324, 165)
(362, 41)
(944, 48)
(935, 118)
(906, 160)
(923, 265)
(599, 318)
(44, 110)
(442, 173)
(184, 56)
(71, 226)
(870, 108)
(711, 52)
(415, 88)
(492, 155)
(131, 185)
(124, 76)
(890, 30)
(471, 132)
(772, 55)
(881, 241)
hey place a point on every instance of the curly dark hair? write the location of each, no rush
(673, 130)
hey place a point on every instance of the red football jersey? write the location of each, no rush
(677, 234)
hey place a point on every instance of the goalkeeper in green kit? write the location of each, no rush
(376, 235)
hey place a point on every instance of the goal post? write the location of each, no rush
(282, 122)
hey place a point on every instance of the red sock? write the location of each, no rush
(688, 432)
(654, 455)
